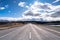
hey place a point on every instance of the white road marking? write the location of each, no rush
(45, 31)
(35, 32)
(53, 30)
(30, 35)
(6, 35)
(54, 25)
(11, 32)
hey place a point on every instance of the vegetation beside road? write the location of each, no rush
(4, 25)
(10, 25)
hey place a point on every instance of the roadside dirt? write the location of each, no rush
(11, 25)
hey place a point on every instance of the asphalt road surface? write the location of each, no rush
(30, 32)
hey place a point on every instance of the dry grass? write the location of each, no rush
(11, 25)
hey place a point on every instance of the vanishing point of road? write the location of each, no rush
(31, 32)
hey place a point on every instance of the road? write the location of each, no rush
(30, 32)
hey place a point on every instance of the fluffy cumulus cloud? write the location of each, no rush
(16, 19)
(2, 8)
(56, 14)
(45, 11)
(12, 19)
(38, 11)
(21, 4)
(8, 18)
(56, 1)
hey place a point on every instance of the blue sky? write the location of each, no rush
(12, 9)
(29, 9)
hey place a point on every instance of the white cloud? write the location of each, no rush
(56, 1)
(8, 18)
(56, 14)
(12, 19)
(38, 7)
(39, 12)
(6, 6)
(16, 19)
(21, 4)
(2, 8)
(44, 11)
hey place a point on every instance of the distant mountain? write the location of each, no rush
(4, 20)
